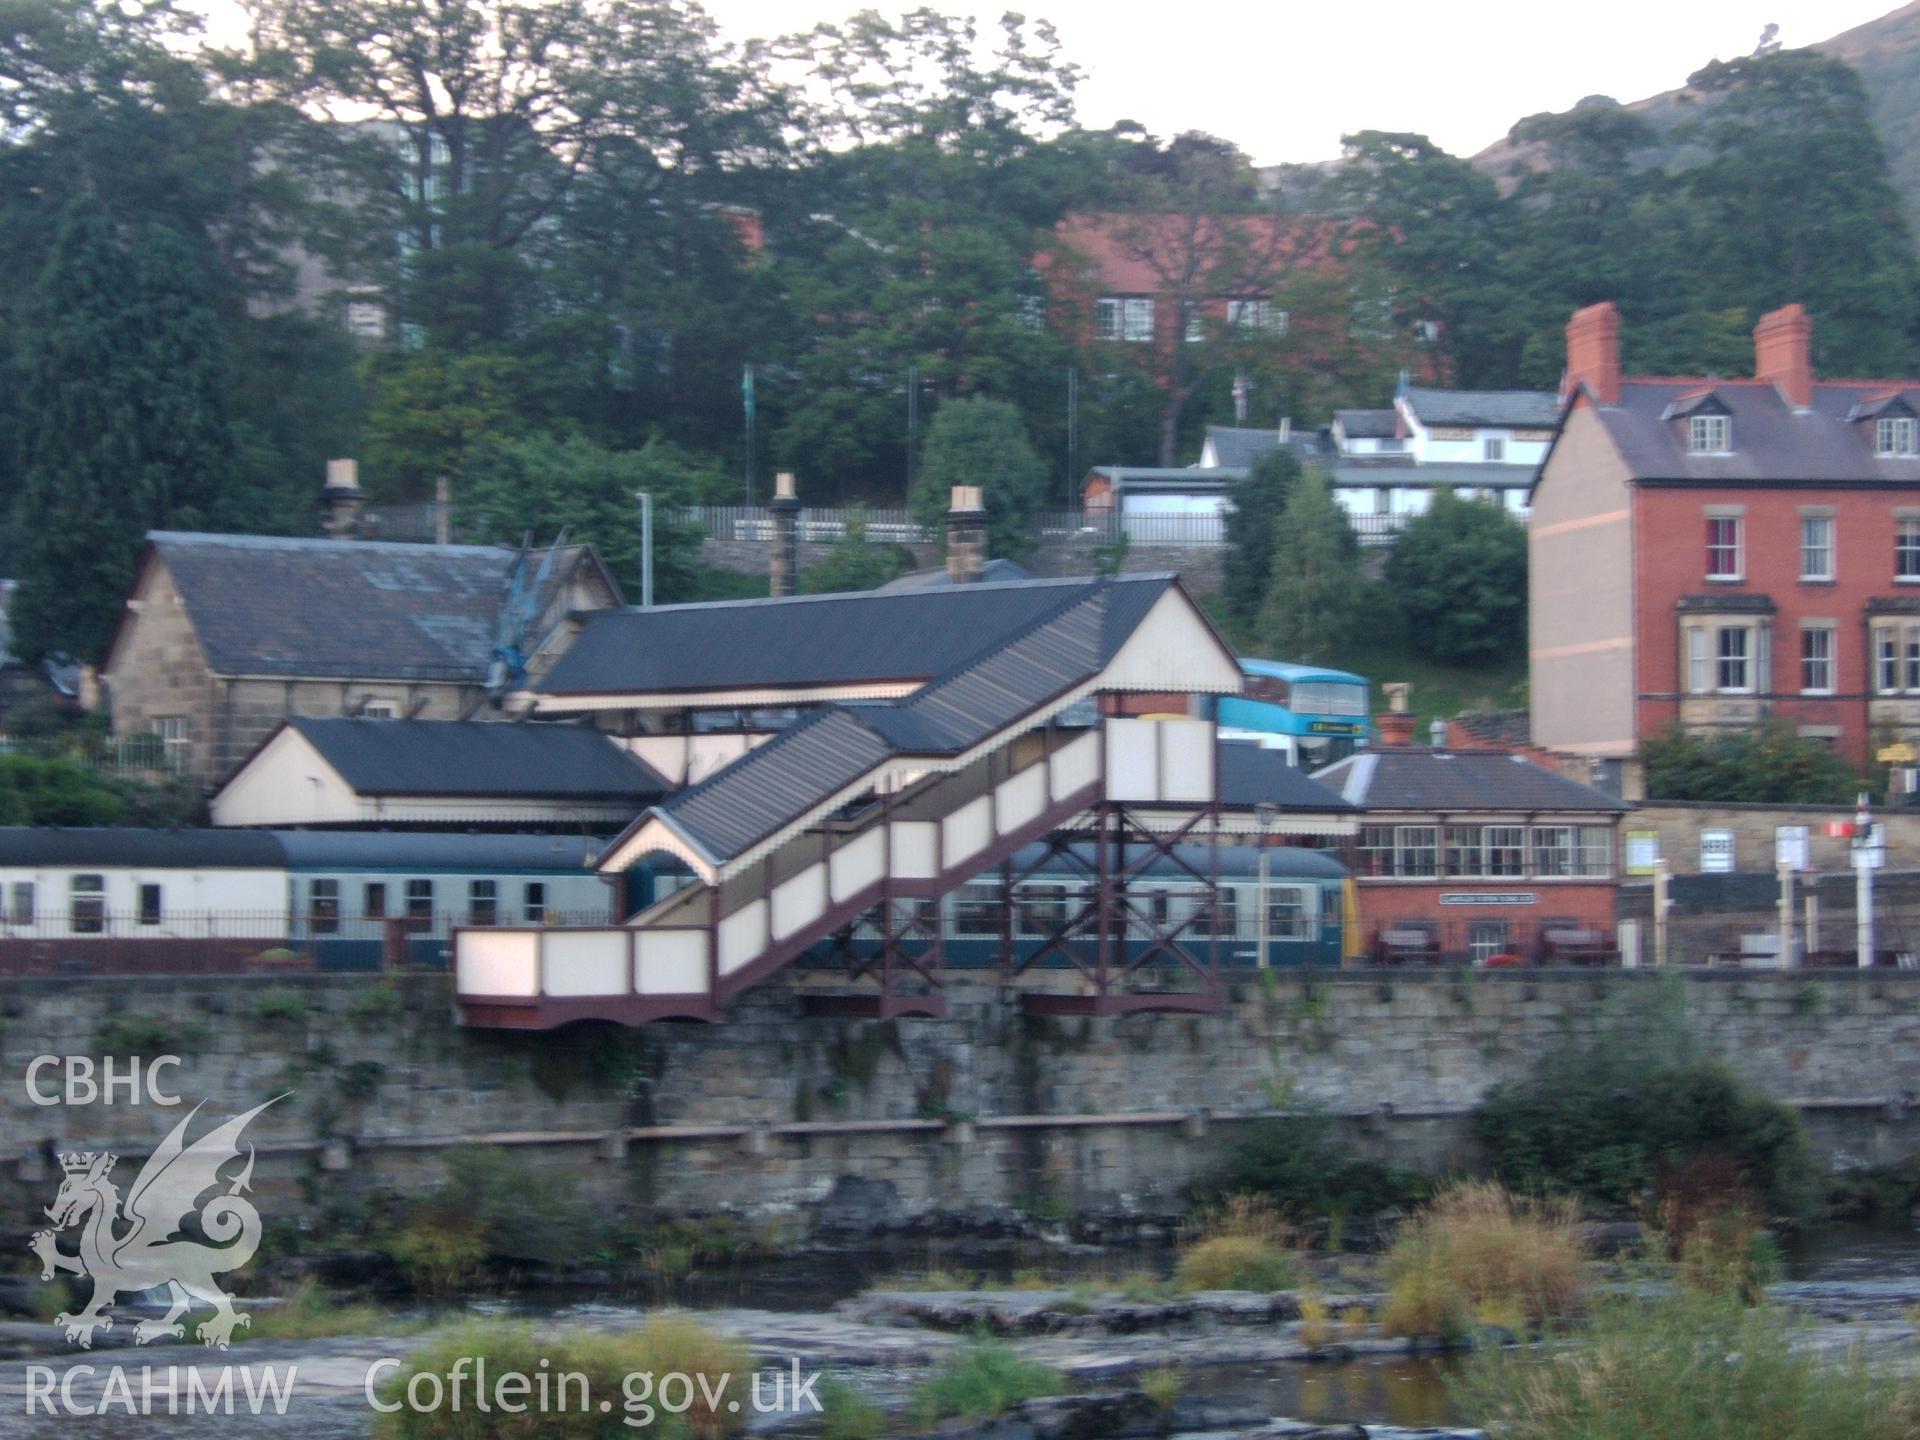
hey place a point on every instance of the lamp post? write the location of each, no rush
(1863, 862)
(646, 548)
(1264, 812)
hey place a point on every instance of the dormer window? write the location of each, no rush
(1896, 435)
(1709, 434)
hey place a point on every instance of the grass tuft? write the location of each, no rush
(1479, 1253)
(981, 1380)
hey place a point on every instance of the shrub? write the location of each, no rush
(983, 1379)
(377, 1003)
(1728, 1251)
(846, 1414)
(309, 1313)
(439, 1252)
(1641, 1109)
(1478, 1252)
(666, 1345)
(1768, 764)
(1685, 1365)
(1234, 1262)
(1297, 1162)
(281, 1005)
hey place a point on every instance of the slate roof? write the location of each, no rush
(1249, 774)
(863, 637)
(1519, 409)
(1497, 727)
(428, 851)
(1771, 441)
(1369, 424)
(806, 764)
(1414, 778)
(477, 758)
(1237, 447)
(996, 572)
(278, 606)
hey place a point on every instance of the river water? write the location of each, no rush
(784, 1309)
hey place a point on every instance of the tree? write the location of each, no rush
(984, 443)
(1253, 534)
(545, 484)
(1313, 599)
(855, 563)
(1459, 573)
(124, 424)
(1767, 764)
(1433, 225)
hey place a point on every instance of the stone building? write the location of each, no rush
(225, 636)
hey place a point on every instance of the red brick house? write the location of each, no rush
(1463, 855)
(1714, 551)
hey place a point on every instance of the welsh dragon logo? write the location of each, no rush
(151, 1251)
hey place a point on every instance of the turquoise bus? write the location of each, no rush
(1315, 714)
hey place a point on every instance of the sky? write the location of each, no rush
(1284, 80)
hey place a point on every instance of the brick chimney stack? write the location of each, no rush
(785, 568)
(340, 500)
(1783, 353)
(1593, 352)
(966, 536)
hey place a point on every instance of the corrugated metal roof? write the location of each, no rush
(272, 605)
(866, 637)
(476, 758)
(1391, 777)
(1771, 440)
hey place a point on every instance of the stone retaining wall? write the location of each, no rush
(771, 1111)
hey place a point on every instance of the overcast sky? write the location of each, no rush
(1285, 79)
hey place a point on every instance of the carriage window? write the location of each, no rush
(149, 904)
(420, 900)
(88, 904)
(1041, 910)
(1290, 916)
(323, 906)
(976, 910)
(1225, 906)
(483, 902)
(21, 907)
(373, 900)
(534, 907)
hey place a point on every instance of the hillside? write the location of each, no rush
(1885, 53)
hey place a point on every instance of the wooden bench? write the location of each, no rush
(1579, 944)
(1406, 944)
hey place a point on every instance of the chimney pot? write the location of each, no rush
(1593, 352)
(966, 536)
(340, 500)
(783, 485)
(1783, 353)
(1396, 728)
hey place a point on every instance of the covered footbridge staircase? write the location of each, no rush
(860, 812)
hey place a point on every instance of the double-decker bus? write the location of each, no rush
(1315, 714)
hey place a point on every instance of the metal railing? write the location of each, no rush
(1088, 528)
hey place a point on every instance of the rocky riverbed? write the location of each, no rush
(1245, 1364)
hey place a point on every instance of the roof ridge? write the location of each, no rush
(752, 601)
(241, 539)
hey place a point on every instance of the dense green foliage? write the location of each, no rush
(854, 562)
(548, 236)
(984, 443)
(1640, 1112)
(1459, 576)
(1298, 1163)
(1769, 764)
(1683, 1363)
(983, 1379)
(1312, 603)
(546, 485)
(1253, 533)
